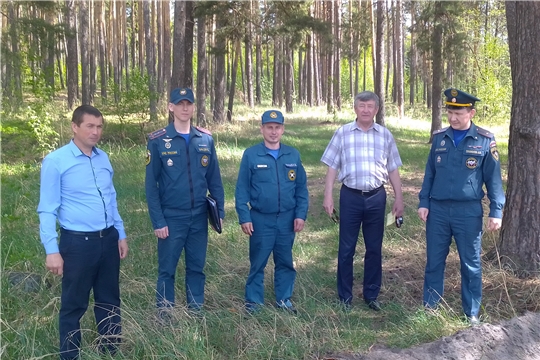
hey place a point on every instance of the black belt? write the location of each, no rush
(100, 233)
(363, 192)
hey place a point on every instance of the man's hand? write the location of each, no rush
(398, 207)
(123, 248)
(423, 213)
(328, 205)
(298, 224)
(162, 233)
(494, 224)
(247, 228)
(55, 263)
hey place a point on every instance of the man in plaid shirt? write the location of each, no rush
(363, 156)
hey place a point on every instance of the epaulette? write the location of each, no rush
(203, 130)
(484, 132)
(440, 131)
(157, 134)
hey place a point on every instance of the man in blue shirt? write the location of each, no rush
(272, 204)
(181, 168)
(77, 191)
(463, 157)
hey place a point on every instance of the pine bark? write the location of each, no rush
(520, 234)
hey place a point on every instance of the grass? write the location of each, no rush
(29, 320)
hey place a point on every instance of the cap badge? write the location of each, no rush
(183, 92)
(453, 100)
(454, 92)
(273, 115)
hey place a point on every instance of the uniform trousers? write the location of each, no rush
(366, 211)
(463, 221)
(90, 262)
(271, 233)
(187, 230)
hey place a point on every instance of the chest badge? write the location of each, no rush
(167, 143)
(204, 160)
(471, 163)
(292, 175)
(443, 142)
(438, 159)
(170, 162)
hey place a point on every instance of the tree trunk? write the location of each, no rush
(413, 60)
(258, 69)
(166, 24)
(436, 87)
(520, 234)
(337, 54)
(399, 61)
(188, 46)
(100, 15)
(379, 68)
(72, 73)
(249, 56)
(140, 6)
(178, 64)
(85, 68)
(150, 62)
(288, 76)
(219, 71)
(202, 70)
(234, 72)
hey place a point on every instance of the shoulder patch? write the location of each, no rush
(484, 132)
(203, 130)
(440, 131)
(157, 134)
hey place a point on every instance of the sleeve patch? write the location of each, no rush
(148, 157)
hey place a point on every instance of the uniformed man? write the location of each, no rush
(272, 204)
(462, 158)
(181, 167)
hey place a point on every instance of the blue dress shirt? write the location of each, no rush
(78, 191)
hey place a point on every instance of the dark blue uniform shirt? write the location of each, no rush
(269, 185)
(459, 172)
(178, 176)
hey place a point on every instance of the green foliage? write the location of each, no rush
(30, 133)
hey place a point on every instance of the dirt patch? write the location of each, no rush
(518, 338)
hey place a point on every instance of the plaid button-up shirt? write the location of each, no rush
(363, 159)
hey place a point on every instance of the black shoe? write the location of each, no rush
(374, 305)
(473, 320)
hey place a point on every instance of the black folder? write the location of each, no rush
(213, 214)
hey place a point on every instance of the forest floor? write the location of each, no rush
(518, 338)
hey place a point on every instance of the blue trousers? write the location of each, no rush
(463, 221)
(188, 231)
(90, 263)
(272, 233)
(368, 212)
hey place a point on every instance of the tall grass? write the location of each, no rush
(29, 320)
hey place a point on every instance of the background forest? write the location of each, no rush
(309, 59)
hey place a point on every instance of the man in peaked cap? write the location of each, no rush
(181, 168)
(272, 204)
(462, 158)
